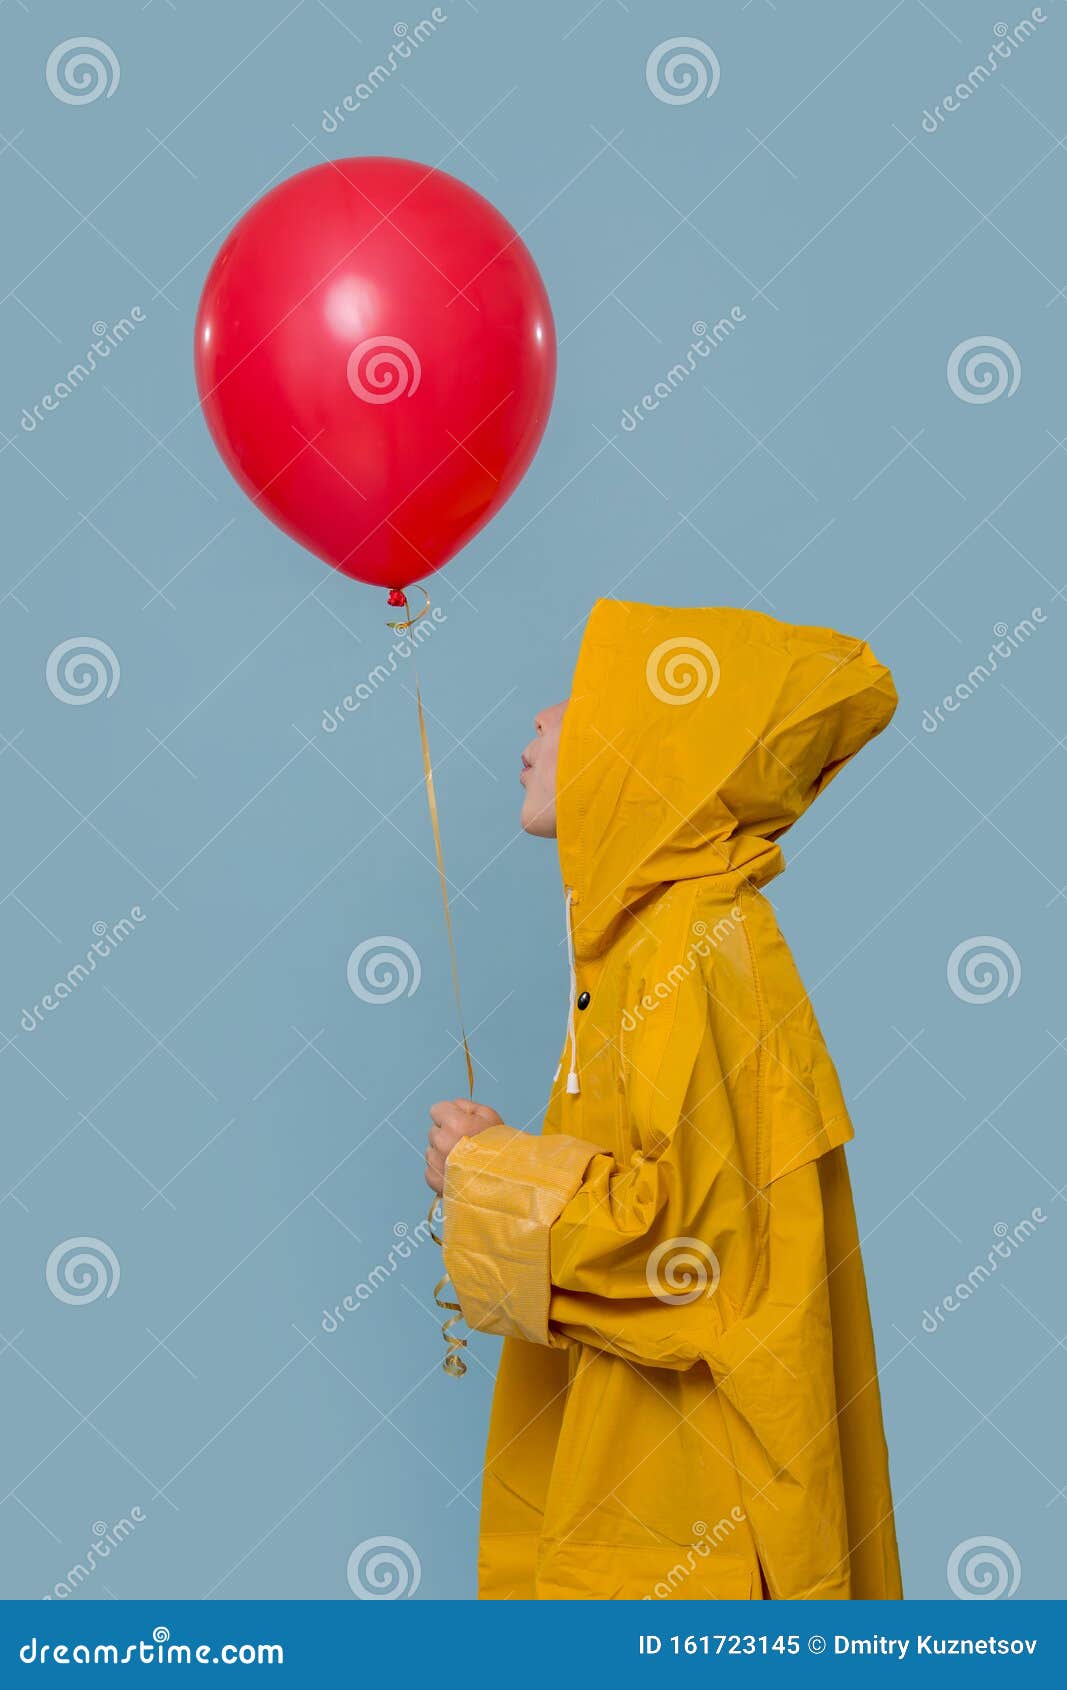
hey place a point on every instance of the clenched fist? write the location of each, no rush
(451, 1122)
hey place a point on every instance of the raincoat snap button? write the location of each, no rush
(583, 1000)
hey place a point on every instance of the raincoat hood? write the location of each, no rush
(693, 739)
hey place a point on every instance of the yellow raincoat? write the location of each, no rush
(687, 1403)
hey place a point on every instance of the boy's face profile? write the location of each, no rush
(538, 814)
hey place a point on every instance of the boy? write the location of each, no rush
(687, 1404)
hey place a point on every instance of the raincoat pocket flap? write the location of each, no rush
(804, 1112)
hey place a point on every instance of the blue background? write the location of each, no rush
(214, 1103)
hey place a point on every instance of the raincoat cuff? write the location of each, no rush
(504, 1191)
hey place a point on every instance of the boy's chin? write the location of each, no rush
(537, 821)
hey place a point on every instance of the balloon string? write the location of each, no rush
(432, 798)
(453, 1363)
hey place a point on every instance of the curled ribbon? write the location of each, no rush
(453, 1363)
(399, 600)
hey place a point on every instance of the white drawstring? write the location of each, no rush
(573, 1083)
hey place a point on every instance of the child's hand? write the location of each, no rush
(451, 1122)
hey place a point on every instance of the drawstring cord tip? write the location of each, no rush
(573, 1084)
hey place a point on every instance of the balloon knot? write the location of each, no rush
(399, 598)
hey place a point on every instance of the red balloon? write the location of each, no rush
(375, 357)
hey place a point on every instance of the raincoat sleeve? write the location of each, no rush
(555, 1239)
(504, 1192)
(552, 1241)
